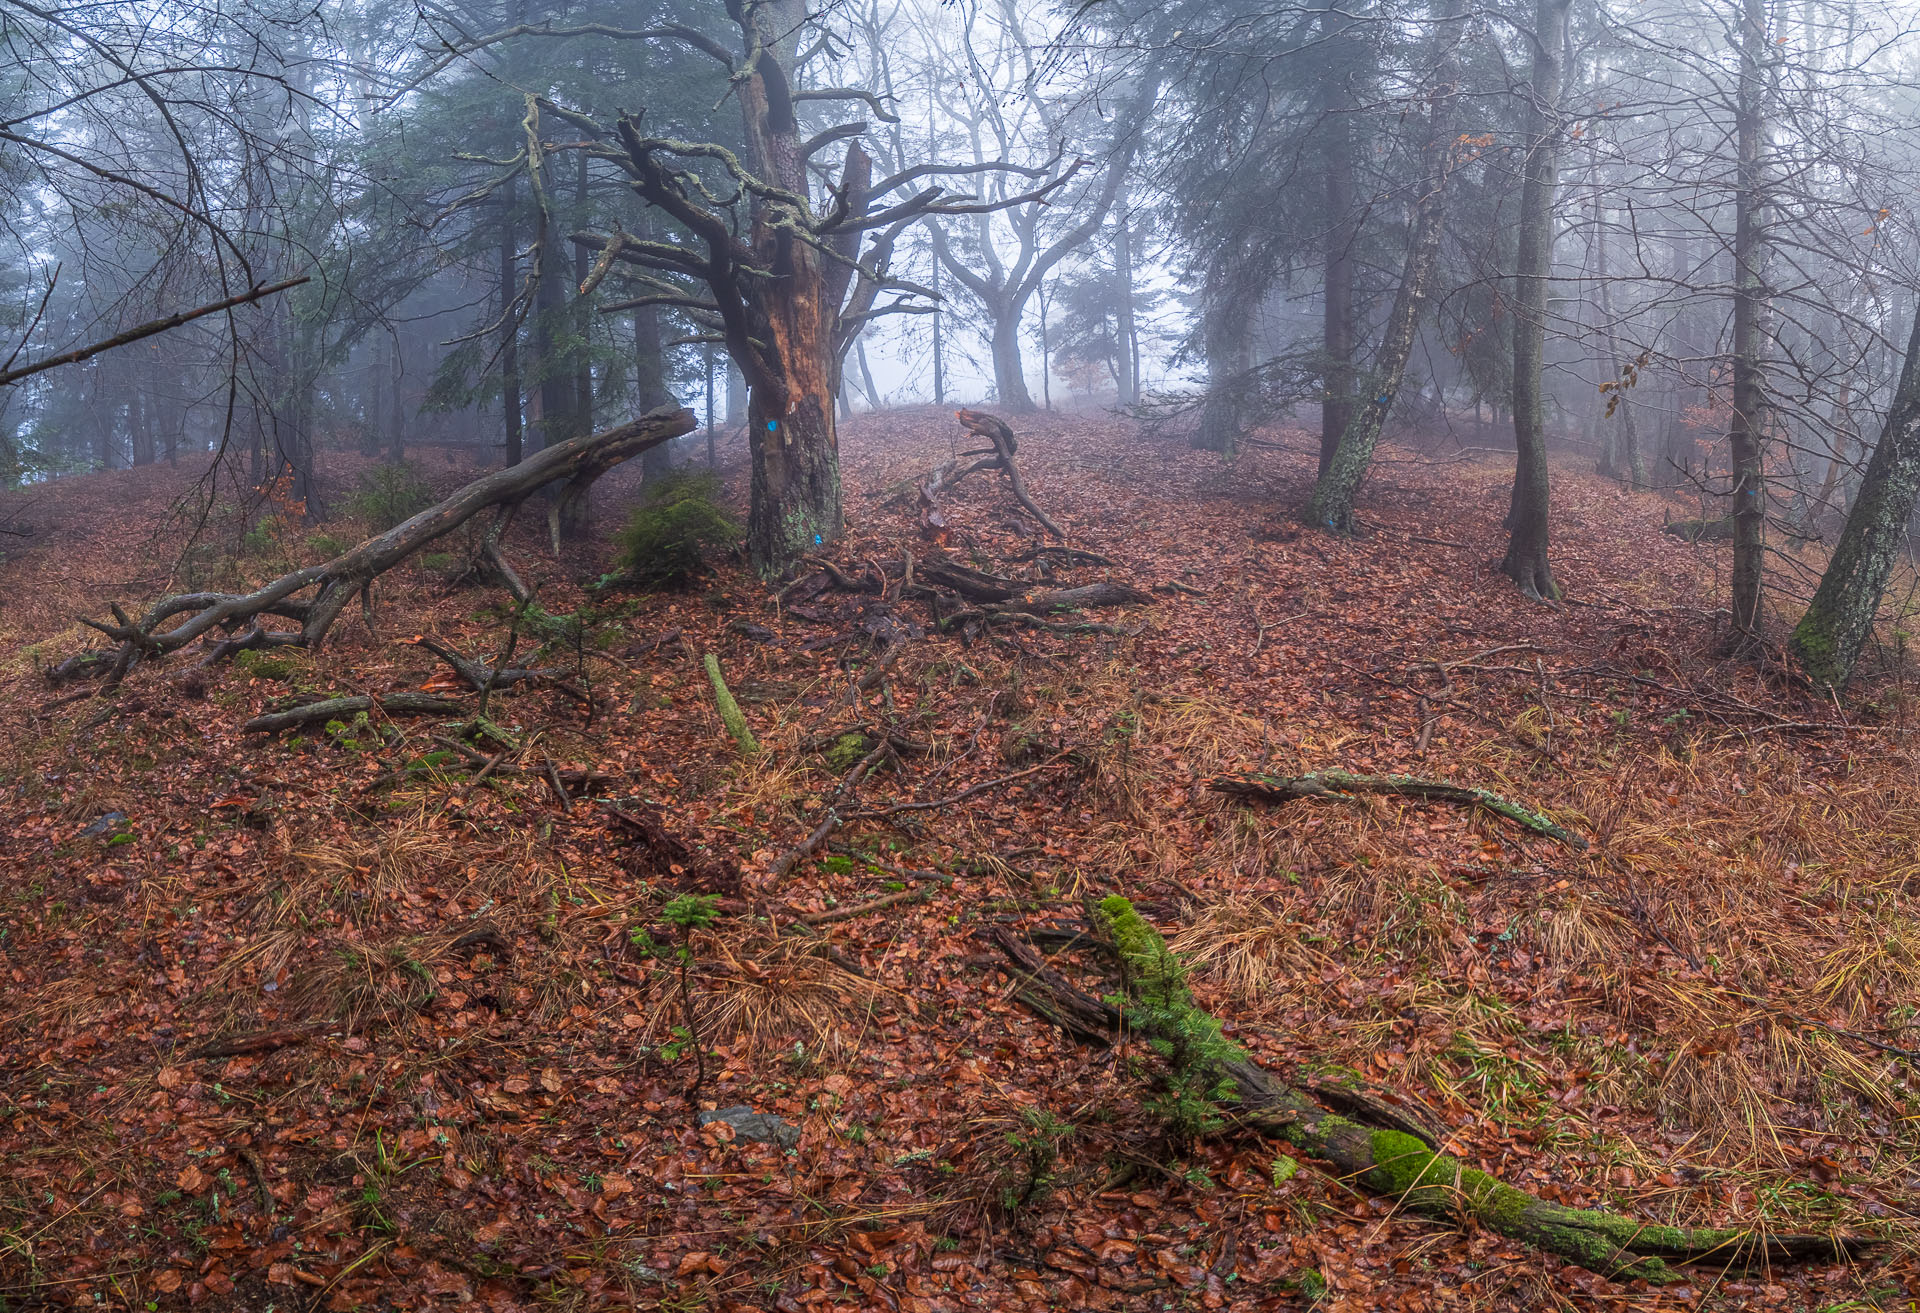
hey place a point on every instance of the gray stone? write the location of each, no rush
(750, 1125)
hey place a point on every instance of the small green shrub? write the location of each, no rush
(326, 546)
(667, 538)
(389, 494)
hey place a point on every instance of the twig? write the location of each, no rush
(961, 796)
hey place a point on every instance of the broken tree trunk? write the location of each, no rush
(573, 465)
(1392, 1163)
(1340, 783)
(998, 457)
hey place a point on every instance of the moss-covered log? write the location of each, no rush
(730, 714)
(1340, 783)
(1394, 1163)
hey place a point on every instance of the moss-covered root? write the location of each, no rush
(1397, 1165)
(730, 714)
(1336, 783)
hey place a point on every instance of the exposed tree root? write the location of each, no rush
(327, 588)
(1393, 1163)
(997, 457)
(1340, 783)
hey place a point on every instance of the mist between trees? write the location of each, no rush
(1675, 238)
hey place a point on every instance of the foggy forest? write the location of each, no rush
(925, 655)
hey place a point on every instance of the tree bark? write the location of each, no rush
(1833, 632)
(1331, 505)
(1528, 522)
(1126, 346)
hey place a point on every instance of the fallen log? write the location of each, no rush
(391, 704)
(1392, 1163)
(328, 587)
(1340, 784)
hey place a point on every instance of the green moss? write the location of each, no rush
(847, 750)
(279, 666)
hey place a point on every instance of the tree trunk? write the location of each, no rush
(1337, 326)
(1331, 505)
(1009, 374)
(650, 381)
(1226, 333)
(509, 332)
(397, 422)
(1744, 435)
(1126, 348)
(1831, 635)
(1528, 521)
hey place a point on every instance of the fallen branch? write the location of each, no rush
(730, 714)
(573, 464)
(1340, 784)
(833, 820)
(1392, 1163)
(391, 704)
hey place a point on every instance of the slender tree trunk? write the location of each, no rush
(397, 424)
(1745, 432)
(1833, 632)
(866, 374)
(582, 313)
(1337, 326)
(650, 379)
(1331, 505)
(1528, 519)
(509, 332)
(1126, 349)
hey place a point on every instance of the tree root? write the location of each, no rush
(1392, 1163)
(1340, 783)
(998, 457)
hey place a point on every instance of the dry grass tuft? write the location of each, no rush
(362, 986)
(1250, 945)
(768, 996)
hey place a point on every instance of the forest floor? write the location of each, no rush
(289, 1026)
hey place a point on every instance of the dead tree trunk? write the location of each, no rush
(315, 596)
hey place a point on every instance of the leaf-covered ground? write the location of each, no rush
(317, 1021)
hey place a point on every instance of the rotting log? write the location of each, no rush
(315, 596)
(1390, 1162)
(1340, 784)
